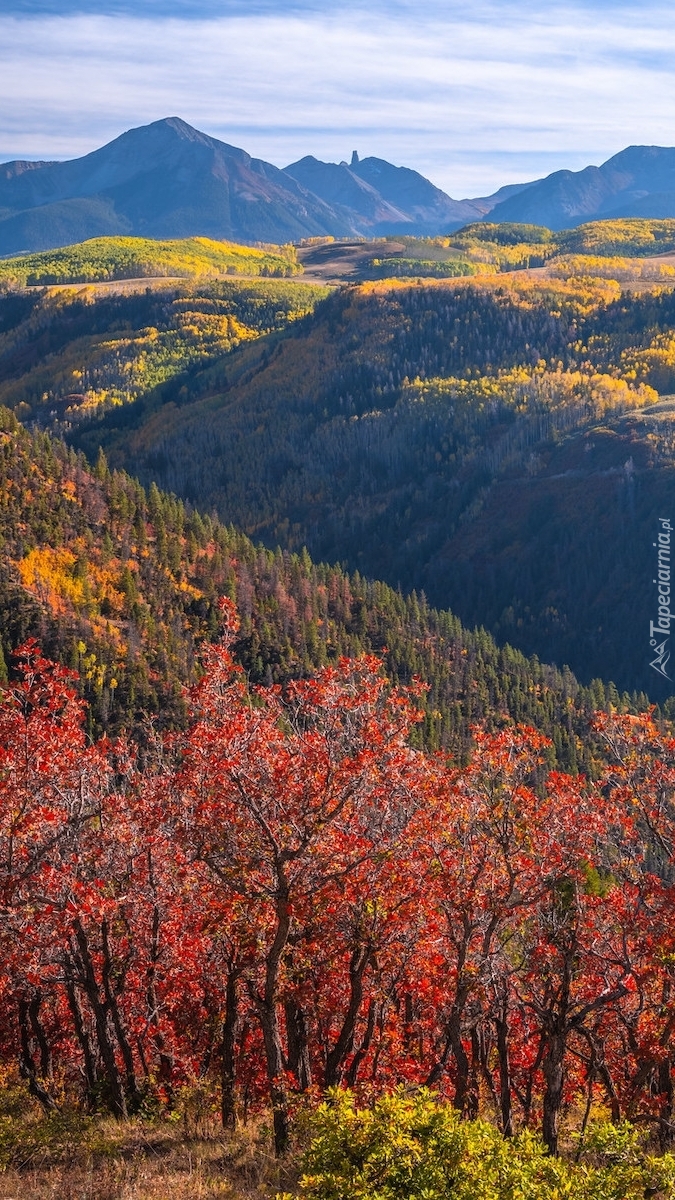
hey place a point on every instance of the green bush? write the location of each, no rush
(418, 1148)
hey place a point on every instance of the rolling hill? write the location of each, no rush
(106, 259)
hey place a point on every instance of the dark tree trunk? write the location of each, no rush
(166, 1061)
(298, 1045)
(132, 1092)
(267, 1009)
(269, 1022)
(82, 1035)
(505, 1097)
(117, 1098)
(552, 1067)
(598, 1069)
(228, 1074)
(525, 1096)
(666, 1109)
(40, 1036)
(27, 1066)
(335, 1059)
(462, 1065)
(363, 1049)
(439, 1066)
(614, 1104)
(472, 1100)
(409, 1017)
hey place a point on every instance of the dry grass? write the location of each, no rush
(189, 1157)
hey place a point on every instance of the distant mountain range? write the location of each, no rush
(169, 180)
(638, 182)
(386, 199)
(162, 180)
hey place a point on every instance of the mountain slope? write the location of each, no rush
(637, 182)
(169, 180)
(161, 180)
(487, 444)
(380, 198)
(64, 354)
(411, 192)
(123, 584)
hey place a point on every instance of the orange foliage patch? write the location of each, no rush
(63, 581)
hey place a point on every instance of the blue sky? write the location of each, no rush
(473, 95)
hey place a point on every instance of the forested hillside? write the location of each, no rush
(485, 248)
(444, 437)
(108, 258)
(67, 352)
(441, 435)
(123, 585)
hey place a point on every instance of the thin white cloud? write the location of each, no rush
(471, 99)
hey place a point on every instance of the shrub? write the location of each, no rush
(418, 1148)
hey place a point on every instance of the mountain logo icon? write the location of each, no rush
(662, 658)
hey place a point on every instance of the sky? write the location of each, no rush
(473, 95)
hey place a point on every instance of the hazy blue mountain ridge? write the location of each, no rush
(169, 180)
(637, 182)
(395, 199)
(162, 180)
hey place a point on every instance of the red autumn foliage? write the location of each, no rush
(291, 897)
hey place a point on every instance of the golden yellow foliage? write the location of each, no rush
(580, 293)
(654, 364)
(632, 236)
(621, 269)
(108, 258)
(540, 388)
(65, 581)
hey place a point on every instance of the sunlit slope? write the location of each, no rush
(107, 258)
(66, 353)
(633, 237)
(616, 249)
(478, 249)
(493, 445)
